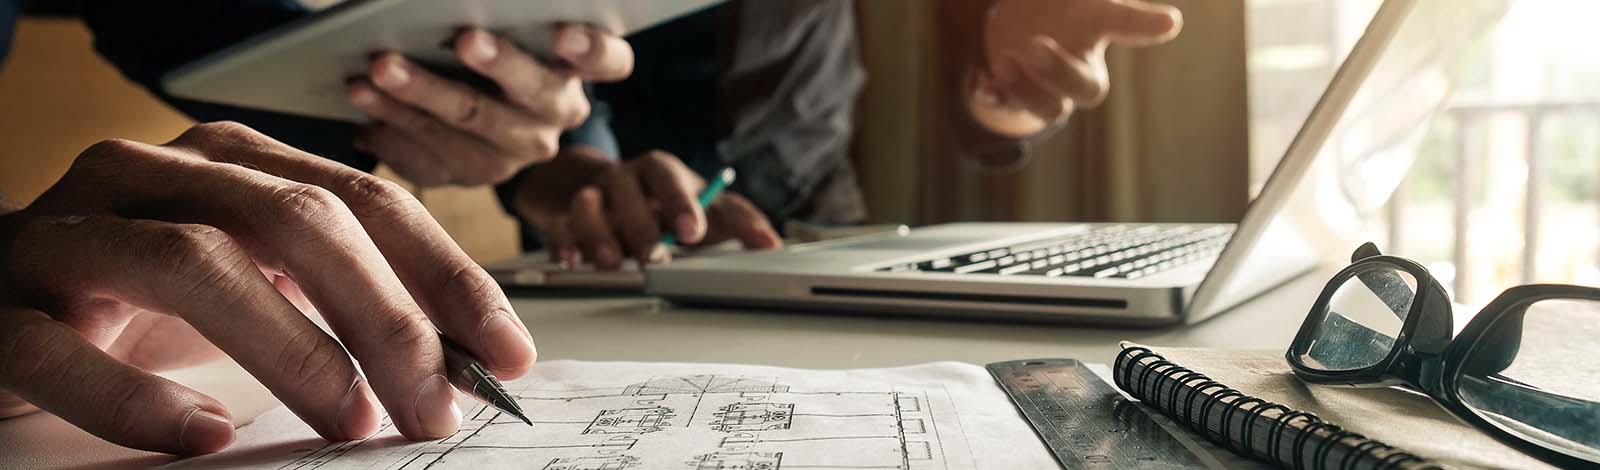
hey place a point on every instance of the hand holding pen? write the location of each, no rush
(589, 209)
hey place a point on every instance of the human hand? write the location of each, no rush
(588, 207)
(143, 258)
(1044, 58)
(435, 131)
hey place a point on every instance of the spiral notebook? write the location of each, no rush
(1272, 416)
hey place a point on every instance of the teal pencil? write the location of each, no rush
(713, 189)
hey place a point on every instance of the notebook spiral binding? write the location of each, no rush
(1196, 385)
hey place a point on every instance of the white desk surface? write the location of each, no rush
(639, 328)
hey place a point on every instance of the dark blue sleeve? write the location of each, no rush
(8, 25)
(146, 39)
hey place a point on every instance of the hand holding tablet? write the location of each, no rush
(434, 130)
(462, 92)
(301, 67)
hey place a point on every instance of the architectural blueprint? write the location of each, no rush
(620, 416)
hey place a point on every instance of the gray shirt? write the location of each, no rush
(767, 86)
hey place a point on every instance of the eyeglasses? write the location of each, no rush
(1526, 369)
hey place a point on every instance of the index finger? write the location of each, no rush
(665, 178)
(455, 293)
(1140, 23)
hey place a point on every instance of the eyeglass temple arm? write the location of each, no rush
(1386, 284)
(1558, 414)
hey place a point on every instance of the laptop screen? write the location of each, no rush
(1353, 150)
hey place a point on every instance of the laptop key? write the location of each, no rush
(1017, 269)
(1104, 252)
(976, 267)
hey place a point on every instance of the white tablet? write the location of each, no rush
(301, 68)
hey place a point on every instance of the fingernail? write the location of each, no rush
(205, 432)
(686, 225)
(986, 96)
(573, 43)
(362, 96)
(505, 344)
(435, 407)
(358, 416)
(392, 75)
(482, 48)
(658, 254)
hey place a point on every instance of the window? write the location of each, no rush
(1505, 184)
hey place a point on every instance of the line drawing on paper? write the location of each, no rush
(690, 422)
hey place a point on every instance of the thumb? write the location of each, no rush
(1140, 23)
(734, 217)
(52, 367)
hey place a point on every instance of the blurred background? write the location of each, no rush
(1505, 188)
(1505, 184)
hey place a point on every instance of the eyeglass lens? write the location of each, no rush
(1361, 320)
(1537, 376)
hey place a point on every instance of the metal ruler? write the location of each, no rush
(1085, 422)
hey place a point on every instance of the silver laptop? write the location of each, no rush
(1125, 274)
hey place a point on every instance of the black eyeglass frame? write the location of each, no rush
(1424, 355)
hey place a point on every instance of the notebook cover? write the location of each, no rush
(1398, 417)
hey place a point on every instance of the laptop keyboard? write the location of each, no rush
(1113, 251)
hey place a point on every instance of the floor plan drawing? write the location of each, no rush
(724, 419)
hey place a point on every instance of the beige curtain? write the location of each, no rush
(1170, 144)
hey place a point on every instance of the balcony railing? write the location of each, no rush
(1471, 120)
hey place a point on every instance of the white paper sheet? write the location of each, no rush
(617, 416)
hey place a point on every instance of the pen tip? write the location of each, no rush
(526, 420)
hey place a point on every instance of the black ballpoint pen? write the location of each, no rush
(468, 374)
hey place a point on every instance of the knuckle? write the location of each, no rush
(308, 360)
(29, 348)
(306, 207)
(405, 332)
(112, 150)
(585, 205)
(196, 249)
(471, 282)
(576, 112)
(1099, 93)
(37, 248)
(126, 400)
(469, 111)
(542, 147)
(414, 122)
(109, 157)
(589, 195)
(658, 158)
(371, 195)
(220, 129)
